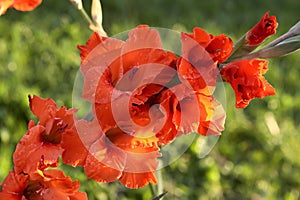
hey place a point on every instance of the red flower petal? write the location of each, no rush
(21, 5)
(74, 151)
(44, 109)
(33, 153)
(130, 75)
(94, 40)
(197, 67)
(220, 48)
(100, 172)
(211, 123)
(137, 180)
(141, 155)
(168, 106)
(13, 186)
(4, 5)
(55, 120)
(142, 37)
(245, 77)
(201, 36)
(264, 28)
(105, 162)
(49, 184)
(26, 5)
(77, 141)
(52, 184)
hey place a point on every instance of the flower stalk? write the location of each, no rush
(95, 24)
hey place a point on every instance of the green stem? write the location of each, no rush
(160, 185)
(85, 16)
(152, 190)
(238, 45)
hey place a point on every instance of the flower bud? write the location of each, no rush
(295, 30)
(96, 13)
(77, 4)
(263, 29)
(285, 47)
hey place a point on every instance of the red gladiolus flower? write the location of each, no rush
(40, 147)
(201, 36)
(47, 185)
(190, 112)
(21, 5)
(34, 152)
(219, 47)
(55, 120)
(264, 28)
(111, 156)
(94, 40)
(121, 68)
(143, 97)
(245, 77)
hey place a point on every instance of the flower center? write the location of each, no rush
(54, 128)
(33, 190)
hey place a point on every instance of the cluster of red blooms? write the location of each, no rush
(39, 149)
(174, 97)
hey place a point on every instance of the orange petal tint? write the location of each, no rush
(141, 158)
(100, 172)
(137, 180)
(4, 5)
(211, 123)
(142, 144)
(74, 151)
(220, 48)
(59, 183)
(46, 109)
(26, 5)
(77, 141)
(94, 40)
(21, 5)
(201, 79)
(49, 184)
(168, 106)
(142, 37)
(38, 106)
(245, 77)
(131, 73)
(105, 162)
(196, 67)
(56, 121)
(33, 153)
(139, 170)
(201, 36)
(52, 184)
(13, 186)
(264, 28)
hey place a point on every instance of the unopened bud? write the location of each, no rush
(77, 4)
(295, 30)
(283, 48)
(97, 16)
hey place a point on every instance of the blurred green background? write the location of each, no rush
(257, 157)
